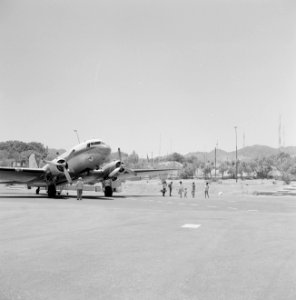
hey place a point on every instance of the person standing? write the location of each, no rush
(79, 187)
(181, 189)
(164, 186)
(207, 187)
(193, 190)
(170, 188)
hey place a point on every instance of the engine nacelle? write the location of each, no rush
(57, 166)
(111, 169)
(61, 165)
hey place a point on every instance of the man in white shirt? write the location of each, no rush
(79, 187)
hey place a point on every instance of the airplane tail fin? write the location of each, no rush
(32, 161)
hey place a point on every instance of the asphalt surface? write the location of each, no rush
(232, 246)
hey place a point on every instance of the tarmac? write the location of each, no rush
(140, 245)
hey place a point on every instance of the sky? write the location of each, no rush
(151, 76)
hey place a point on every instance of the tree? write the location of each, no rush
(20, 151)
(223, 168)
(133, 159)
(176, 157)
(232, 169)
(264, 166)
(207, 171)
(187, 172)
(3, 154)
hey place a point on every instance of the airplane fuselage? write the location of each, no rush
(89, 155)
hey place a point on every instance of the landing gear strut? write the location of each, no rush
(51, 191)
(108, 191)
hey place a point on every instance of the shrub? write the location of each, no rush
(286, 178)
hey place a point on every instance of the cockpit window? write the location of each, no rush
(96, 143)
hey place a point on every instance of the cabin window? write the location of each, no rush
(95, 143)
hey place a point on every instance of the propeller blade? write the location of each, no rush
(114, 172)
(69, 179)
(119, 155)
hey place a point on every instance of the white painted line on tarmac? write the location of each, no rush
(193, 226)
(232, 208)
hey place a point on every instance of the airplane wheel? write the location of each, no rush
(108, 191)
(52, 192)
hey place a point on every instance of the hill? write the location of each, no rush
(246, 153)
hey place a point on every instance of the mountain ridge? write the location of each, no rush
(246, 153)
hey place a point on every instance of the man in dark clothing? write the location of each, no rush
(170, 188)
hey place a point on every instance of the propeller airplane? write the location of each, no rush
(88, 160)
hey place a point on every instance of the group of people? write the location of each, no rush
(183, 191)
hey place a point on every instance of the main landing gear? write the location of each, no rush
(108, 192)
(52, 191)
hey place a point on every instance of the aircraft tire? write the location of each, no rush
(108, 191)
(52, 192)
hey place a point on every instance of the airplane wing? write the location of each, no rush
(20, 175)
(126, 174)
(139, 173)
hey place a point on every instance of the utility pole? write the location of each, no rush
(152, 159)
(235, 127)
(159, 152)
(216, 148)
(280, 131)
(215, 160)
(75, 130)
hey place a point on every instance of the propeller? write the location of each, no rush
(62, 166)
(119, 168)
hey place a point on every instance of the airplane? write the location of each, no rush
(88, 160)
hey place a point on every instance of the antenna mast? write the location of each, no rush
(75, 130)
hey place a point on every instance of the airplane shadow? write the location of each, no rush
(97, 197)
(88, 197)
(141, 196)
(33, 196)
(69, 197)
(22, 197)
